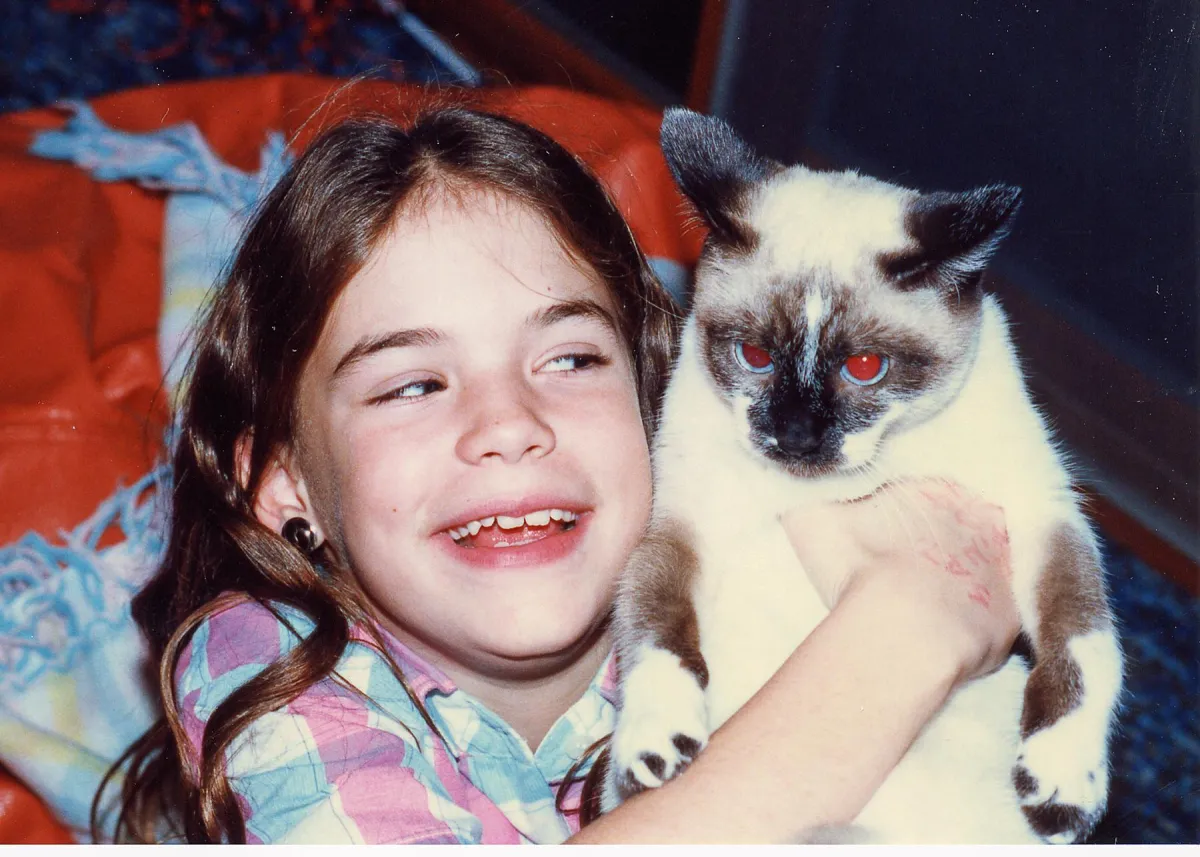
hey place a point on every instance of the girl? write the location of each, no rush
(413, 461)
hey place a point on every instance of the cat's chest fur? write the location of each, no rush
(754, 603)
(753, 600)
(839, 340)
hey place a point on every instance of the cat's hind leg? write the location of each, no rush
(663, 720)
(1061, 775)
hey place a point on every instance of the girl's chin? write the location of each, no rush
(552, 650)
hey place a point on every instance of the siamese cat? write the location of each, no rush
(838, 339)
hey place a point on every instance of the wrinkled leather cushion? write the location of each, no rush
(81, 407)
(80, 266)
(24, 820)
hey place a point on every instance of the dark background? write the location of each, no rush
(1090, 108)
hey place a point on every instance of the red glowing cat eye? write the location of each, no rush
(752, 357)
(865, 369)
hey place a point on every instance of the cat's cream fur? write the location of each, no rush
(753, 602)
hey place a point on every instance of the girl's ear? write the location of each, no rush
(281, 494)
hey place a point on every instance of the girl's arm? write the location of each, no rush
(921, 602)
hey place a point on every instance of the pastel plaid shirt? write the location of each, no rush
(333, 767)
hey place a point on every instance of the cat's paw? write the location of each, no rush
(1062, 782)
(1061, 774)
(662, 726)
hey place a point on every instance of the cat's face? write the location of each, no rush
(832, 311)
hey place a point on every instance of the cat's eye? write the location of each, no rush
(864, 370)
(752, 358)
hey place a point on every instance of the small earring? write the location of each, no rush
(300, 533)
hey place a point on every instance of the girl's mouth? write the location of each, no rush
(501, 531)
(536, 539)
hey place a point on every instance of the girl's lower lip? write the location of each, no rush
(541, 552)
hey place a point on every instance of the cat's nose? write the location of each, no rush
(801, 437)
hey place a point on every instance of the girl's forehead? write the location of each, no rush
(440, 203)
(462, 262)
(455, 241)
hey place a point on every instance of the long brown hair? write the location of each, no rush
(310, 236)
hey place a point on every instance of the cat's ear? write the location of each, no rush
(955, 236)
(715, 169)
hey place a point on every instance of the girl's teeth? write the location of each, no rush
(540, 518)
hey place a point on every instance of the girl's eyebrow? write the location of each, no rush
(369, 345)
(426, 336)
(568, 309)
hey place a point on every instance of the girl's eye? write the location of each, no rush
(409, 391)
(863, 370)
(572, 362)
(752, 358)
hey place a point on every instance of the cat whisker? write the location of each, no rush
(902, 488)
(894, 514)
(895, 519)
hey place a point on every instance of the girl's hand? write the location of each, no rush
(917, 578)
(926, 547)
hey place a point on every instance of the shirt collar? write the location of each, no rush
(425, 679)
(607, 684)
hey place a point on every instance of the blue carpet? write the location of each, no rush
(51, 49)
(1155, 794)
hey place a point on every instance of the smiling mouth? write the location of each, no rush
(501, 531)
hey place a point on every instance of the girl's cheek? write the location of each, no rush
(376, 459)
(614, 393)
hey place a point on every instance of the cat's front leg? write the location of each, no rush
(663, 719)
(1061, 773)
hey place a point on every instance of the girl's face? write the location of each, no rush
(470, 439)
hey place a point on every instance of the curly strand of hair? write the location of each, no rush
(151, 792)
(312, 660)
(144, 760)
(589, 797)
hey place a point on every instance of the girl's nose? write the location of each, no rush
(505, 425)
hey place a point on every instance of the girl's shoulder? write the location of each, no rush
(233, 645)
(313, 768)
(240, 639)
(244, 633)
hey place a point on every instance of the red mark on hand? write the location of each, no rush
(957, 568)
(931, 557)
(974, 554)
(981, 595)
